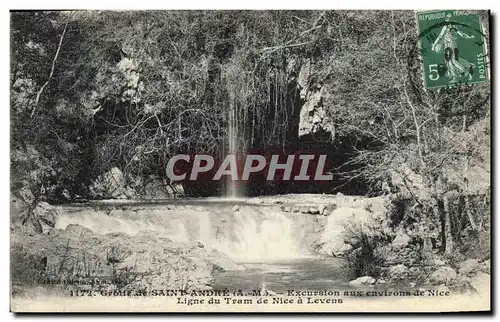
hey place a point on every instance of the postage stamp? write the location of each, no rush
(452, 47)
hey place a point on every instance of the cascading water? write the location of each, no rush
(232, 190)
(254, 236)
(265, 249)
(251, 234)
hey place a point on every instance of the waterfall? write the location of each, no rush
(232, 190)
(251, 234)
(269, 238)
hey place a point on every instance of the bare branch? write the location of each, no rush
(37, 99)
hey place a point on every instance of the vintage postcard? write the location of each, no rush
(250, 161)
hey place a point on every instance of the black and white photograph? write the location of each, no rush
(250, 161)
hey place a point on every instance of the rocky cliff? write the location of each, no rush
(313, 116)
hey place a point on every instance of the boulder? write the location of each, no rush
(481, 283)
(341, 250)
(236, 208)
(304, 210)
(485, 266)
(19, 210)
(339, 222)
(46, 213)
(26, 195)
(469, 267)
(221, 260)
(313, 211)
(398, 271)
(78, 231)
(363, 281)
(143, 260)
(443, 274)
(401, 241)
(41, 220)
(111, 185)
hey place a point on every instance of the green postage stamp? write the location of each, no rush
(453, 48)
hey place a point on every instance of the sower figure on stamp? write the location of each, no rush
(446, 44)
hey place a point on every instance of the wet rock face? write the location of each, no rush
(313, 115)
(111, 185)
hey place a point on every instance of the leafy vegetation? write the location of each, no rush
(95, 90)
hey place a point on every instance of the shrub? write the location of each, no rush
(364, 259)
(26, 269)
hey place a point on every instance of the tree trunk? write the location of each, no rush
(427, 247)
(469, 213)
(440, 214)
(447, 227)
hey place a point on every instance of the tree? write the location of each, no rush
(417, 138)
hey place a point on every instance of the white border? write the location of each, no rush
(189, 4)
